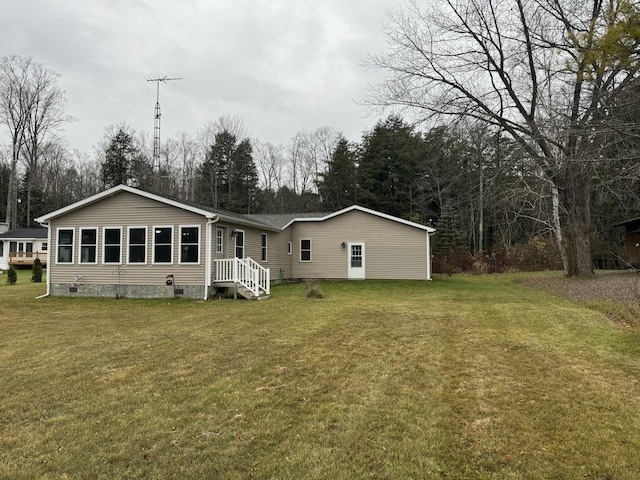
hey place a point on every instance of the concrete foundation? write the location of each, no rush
(127, 291)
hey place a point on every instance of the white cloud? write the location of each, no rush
(282, 65)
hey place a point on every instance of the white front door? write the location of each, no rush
(356, 265)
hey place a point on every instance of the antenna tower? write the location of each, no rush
(156, 122)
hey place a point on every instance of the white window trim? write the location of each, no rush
(73, 244)
(221, 231)
(80, 245)
(199, 244)
(146, 244)
(310, 250)
(264, 249)
(153, 240)
(289, 248)
(104, 245)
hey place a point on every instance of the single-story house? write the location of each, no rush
(21, 246)
(632, 240)
(127, 242)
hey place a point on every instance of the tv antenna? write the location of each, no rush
(156, 122)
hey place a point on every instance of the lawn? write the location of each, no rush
(462, 377)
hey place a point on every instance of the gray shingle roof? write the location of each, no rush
(279, 220)
(25, 233)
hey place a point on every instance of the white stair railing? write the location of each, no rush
(245, 272)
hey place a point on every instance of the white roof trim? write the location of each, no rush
(365, 210)
(117, 189)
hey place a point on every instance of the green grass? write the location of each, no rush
(462, 377)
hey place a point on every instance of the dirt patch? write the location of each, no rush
(619, 287)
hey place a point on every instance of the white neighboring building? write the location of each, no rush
(22, 246)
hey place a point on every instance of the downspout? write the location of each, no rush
(207, 261)
(48, 250)
(429, 257)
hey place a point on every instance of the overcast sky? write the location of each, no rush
(281, 65)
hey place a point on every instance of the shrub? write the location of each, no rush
(313, 290)
(36, 271)
(12, 275)
(539, 253)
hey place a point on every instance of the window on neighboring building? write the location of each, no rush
(1, 249)
(65, 246)
(112, 243)
(162, 244)
(88, 245)
(305, 250)
(190, 244)
(137, 245)
(220, 240)
(45, 246)
(264, 247)
(289, 248)
(13, 247)
(29, 247)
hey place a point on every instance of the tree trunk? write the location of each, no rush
(557, 228)
(577, 202)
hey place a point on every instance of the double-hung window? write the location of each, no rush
(190, 244)
(220, 240)
(263, 249)
(88, 245)
(162, 244)
(65, 246)
(305, 249)
(112, 245)
(137, 245)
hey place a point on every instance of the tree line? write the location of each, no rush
(533, 116)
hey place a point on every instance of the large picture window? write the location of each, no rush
(305, 250)
(162, 244)
(137, 245)
(65, 246)
(190, 244)
(88, 245)
(112, 244)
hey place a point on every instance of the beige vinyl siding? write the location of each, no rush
(278, 257)
(392, 250)
(128, 210)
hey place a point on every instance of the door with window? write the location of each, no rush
(356, 261)
(239, 234)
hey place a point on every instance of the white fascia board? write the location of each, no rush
(365, 210)
(117, 189)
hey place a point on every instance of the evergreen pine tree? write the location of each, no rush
(12, 275)
(36, 271)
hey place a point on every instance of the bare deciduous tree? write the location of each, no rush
(31, 106)
(543, 71)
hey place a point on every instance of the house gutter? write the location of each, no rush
(46, 224)
(207, 262)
